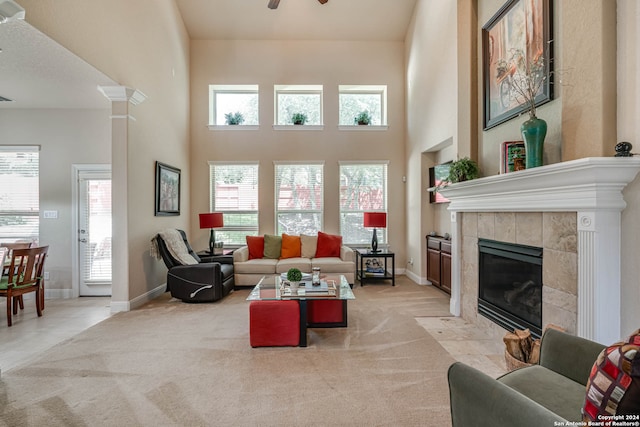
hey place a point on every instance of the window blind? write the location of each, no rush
(19, 193)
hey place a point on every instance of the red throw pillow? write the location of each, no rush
(328, 245)
(256, 246)
(613, 387)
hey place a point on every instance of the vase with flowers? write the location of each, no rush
(526, 84)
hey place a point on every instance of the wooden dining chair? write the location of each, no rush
(24, 276)
(11, 247)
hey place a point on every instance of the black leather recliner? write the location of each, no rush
(203, 282)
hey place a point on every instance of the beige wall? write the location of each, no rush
(142, 45)
(66, 137)
(298, 62)
(431, 73)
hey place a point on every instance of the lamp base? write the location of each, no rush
(212, 241)
(374, 242)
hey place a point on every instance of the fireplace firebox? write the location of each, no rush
(510, 285)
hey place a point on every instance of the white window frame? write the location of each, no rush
(230, 89)
(381, 232)
(252, 230)
(35, 213)
(297, 90)
(379, 90)
(278, 211)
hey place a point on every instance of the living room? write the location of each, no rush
(433, 75)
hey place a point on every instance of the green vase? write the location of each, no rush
(533, 131)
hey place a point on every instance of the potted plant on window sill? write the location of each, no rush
(299, 118)
(234, 118)
(363, 118)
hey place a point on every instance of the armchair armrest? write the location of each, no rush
(481, 401)
(568, 355)
(205, 273)
(222, 259)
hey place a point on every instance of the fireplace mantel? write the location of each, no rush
(591, 187)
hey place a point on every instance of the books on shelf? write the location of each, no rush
(508, 150)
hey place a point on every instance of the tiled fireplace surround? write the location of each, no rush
(570, 209)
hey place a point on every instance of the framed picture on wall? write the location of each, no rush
(517, 38)
(167, 190)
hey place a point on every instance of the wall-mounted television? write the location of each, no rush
(437, 174)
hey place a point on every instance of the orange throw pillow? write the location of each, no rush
(291, 247)
(328, 245)
(256, 246)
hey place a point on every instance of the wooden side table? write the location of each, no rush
(361, 271)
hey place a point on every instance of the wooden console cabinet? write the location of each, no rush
(439, 262)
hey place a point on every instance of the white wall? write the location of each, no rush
(327, 63)
(66, 137)
(432, 102)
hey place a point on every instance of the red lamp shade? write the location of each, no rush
(375, 219)
(211, 220)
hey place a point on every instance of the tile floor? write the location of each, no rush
(64, 318)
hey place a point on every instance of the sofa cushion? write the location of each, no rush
(308, 245)
(302, 264)
(256, 246)
(614, 382)
(256, 266)
(328, 245)
(555, 392)
(272, 246)
(332, 265)
(290, 246)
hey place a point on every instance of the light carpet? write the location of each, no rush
(170, 363)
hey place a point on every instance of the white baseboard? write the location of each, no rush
(118, 306)
(419, 280)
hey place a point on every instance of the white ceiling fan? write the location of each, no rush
(273, 4)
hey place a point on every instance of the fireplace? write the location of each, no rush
(510, 285)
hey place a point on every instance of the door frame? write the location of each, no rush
(75, 220)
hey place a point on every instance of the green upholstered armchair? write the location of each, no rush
(537, 395)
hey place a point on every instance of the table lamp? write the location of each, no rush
(211, 220)
(375, 220)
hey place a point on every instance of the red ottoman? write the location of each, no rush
(326, 312)
(274, 323)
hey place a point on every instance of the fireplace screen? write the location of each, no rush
(510, 285)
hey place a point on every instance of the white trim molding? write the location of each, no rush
(122, 94)
(592, 187)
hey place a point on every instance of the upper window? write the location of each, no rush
(298, 101)
(299, 198)
(19, 193)
(233, 105)
(234, 192)
(358, 99)
(363, 188)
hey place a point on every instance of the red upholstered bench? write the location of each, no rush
(274, 323)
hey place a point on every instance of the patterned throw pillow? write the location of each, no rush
(614, 382)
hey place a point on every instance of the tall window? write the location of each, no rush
(355, 99)
(298, 99)
(234, 192)
(299, 198)
(363, 188)
(19, 193)
(227, 101)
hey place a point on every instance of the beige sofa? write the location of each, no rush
(249, 272)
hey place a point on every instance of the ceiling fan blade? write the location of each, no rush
(273, 4)
(323, 1)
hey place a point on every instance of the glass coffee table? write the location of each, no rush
(333, 287)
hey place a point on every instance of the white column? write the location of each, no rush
(456, 264)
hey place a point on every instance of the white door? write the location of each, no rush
(94, 232)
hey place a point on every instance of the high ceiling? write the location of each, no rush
(380, 20)
(39, 73)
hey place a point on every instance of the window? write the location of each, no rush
(19, 193)
(363, 188)
(232, 99)
(299, 198)
(304, 99)
(355, 99)
(234, 192)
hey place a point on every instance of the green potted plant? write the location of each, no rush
(294, 276)
(363, 118)
(234, 118)
(463, 169)
(299, 118)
